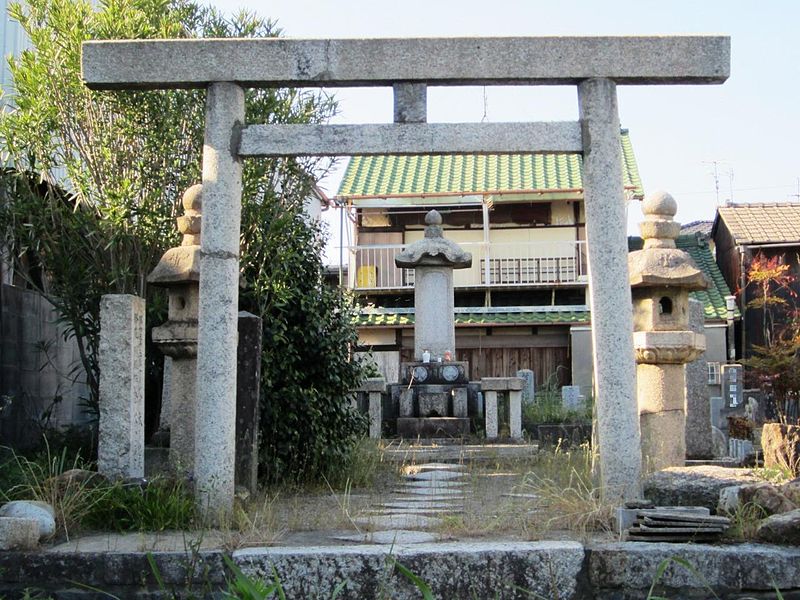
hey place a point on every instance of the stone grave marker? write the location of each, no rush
(571, 398)
(120, 450)
(528, 386)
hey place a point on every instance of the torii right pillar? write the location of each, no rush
(618, 453)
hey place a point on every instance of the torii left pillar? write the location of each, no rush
(215, 421)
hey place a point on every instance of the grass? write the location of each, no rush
(42, 478)
(548, 408)
(82, 499)
(159, 505)
(745, 521)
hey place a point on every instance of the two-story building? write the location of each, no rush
(523, 303)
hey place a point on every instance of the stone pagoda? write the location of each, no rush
(661, 278)
(433, 399)
(179, 272)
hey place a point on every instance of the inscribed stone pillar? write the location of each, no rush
(609, 292)
(120, 451)
(248, 383)
(215, 422)
(491, 416)
(433, 299)
(528, 387)
(699, 441)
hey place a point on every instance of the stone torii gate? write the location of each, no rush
(225, 67)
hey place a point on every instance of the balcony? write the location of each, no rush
(494, 265)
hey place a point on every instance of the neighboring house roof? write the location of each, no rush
(422, 175)
(761, 223)
(713, 298)
(702, 227)
(475, 316)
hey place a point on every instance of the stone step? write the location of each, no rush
(399, 521)
(439, 475)
(390, 537)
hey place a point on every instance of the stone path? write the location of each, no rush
(428, 493)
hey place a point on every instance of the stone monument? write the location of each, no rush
(120, 444)
(179, 272)
(434, 401)
(661, 277)
(699, 440)
(433, 259)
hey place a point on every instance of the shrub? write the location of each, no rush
(156, 505)
(308, 427)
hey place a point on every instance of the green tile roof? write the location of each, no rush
(712, 298)
(387, 317)
(386, 176)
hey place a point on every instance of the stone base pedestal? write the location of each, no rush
(662, 420)
(432, 427)
(663, 443)
(182, 406)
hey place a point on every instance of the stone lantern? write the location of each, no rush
(179, 272)
(661, 278)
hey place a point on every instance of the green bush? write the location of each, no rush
(308, 428)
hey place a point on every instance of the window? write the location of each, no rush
(713, 373)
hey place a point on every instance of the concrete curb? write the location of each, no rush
(505, 570)
(452, 570)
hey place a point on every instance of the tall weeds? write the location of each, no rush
(72, 496)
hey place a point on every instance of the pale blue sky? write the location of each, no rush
(751, 124)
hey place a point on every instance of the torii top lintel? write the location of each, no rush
(281, 62)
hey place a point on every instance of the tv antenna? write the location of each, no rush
(715, 173)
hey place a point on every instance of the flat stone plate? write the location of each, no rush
(411, 469)
(391, 537)
(436, 475)
(412, 510)
(399, 521)
(421, 491)
(434, 484)
(425, 498)
(412, 505)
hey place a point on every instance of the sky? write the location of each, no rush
(747, 128)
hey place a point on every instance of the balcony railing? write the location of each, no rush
(524, 264)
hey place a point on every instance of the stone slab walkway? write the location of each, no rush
(428, 493)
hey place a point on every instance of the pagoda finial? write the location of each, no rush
(659, 229)
(189, 223)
